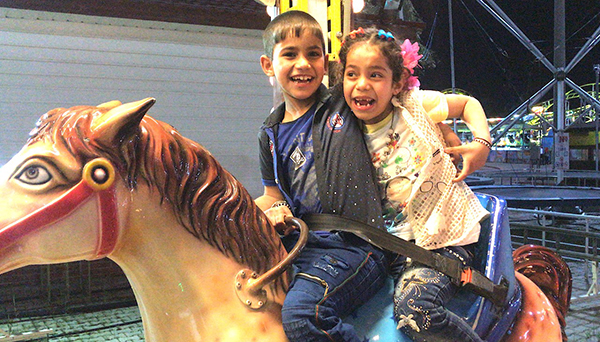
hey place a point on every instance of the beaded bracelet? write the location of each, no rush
(483, 142)
(280, 204)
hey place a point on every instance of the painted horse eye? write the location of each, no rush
(34, 175)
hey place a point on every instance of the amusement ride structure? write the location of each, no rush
(89, 173)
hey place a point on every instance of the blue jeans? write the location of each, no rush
(334, 275)
(420, 296)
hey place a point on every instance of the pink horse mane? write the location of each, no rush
(208, 201)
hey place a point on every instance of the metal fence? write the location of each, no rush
(573, 236)
(60, 288)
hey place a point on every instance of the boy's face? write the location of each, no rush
(368, 83)
(298, 65)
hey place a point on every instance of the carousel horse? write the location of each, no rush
(203, 261)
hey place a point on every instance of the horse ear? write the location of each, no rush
(110, 105)
(116, 121)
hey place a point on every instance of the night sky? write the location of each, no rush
(490, 63)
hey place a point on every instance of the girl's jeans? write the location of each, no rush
(335, 273)
(420, 297)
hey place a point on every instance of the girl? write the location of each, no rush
(423, 201)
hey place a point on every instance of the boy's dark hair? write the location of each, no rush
(290, 24)
(389, 49)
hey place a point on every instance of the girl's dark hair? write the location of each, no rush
(388, 46)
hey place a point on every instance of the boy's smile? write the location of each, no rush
(298, 65)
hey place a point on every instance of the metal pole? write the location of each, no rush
(597, 70)
(559, 64)
(505, 20)
(347, 17)
(591, 100)
(452, 74)
(520, 111)
(558, 68)
(451, 33)
(587, 47)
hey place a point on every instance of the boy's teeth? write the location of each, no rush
(301, 78)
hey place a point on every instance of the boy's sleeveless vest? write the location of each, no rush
(437, 221)
(345, 174)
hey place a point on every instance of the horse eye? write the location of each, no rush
(34, 175)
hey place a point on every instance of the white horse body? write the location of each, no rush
(193, 272)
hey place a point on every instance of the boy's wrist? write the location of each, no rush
(280, 204)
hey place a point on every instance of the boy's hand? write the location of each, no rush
(474, 156)
(276, 216)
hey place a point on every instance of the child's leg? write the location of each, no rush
(419, 303)
(333, 279)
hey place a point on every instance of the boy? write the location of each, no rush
(312, 162)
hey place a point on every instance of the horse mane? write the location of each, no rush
(208, 201)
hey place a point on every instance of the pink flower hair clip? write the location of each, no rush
(411, 57)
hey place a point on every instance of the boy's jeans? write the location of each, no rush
(334, 275)
(419, 299)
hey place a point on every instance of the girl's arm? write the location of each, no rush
(471, 112)
(452, 140)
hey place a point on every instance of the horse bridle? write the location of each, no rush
(98, 177)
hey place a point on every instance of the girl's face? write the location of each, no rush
(368, 83)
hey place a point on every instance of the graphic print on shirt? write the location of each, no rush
(298, 158)
(434, 183)
(381, 155)
(335, 122)
(295, 150)
(433, 187)
(397, 193)
(397, 176)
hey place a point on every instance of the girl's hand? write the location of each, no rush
(474, 156)
(452, 140)
(277, 215)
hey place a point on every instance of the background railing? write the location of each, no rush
(574, 236)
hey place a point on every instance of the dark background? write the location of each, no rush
(490, 63)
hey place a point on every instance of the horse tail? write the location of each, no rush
(550, 273)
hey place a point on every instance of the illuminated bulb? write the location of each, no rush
(358, 5)
(537, 109)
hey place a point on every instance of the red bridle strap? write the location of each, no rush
(98, 176)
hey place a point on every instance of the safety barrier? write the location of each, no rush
(573, 236)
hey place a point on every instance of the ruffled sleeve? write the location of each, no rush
(435, 105)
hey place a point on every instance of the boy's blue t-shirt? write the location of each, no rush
(337, 161)
(296, 151)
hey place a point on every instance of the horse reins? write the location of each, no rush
(97, 179)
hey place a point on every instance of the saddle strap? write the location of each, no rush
(466, 277)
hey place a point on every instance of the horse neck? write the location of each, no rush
(185, 287)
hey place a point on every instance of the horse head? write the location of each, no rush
(108, 180)
(50, 188)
